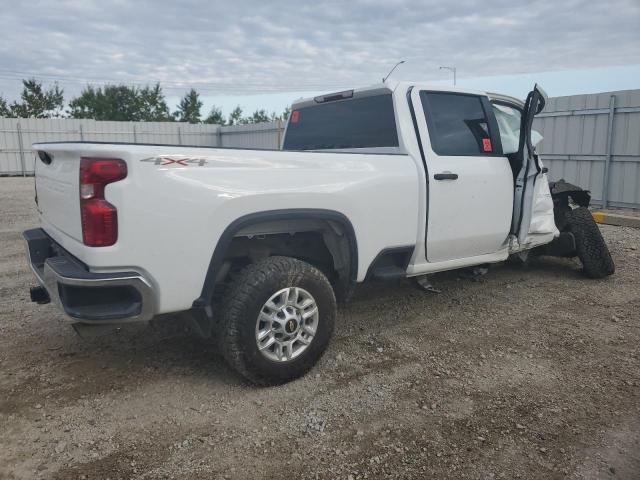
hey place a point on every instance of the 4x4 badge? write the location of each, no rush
(176, 160)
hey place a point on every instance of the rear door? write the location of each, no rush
(527, 166)
(470, 183)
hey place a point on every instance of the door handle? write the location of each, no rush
(446, 176)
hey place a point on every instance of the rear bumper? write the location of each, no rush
(99, 298)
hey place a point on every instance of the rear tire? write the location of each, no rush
(275, 298)
(591, 248)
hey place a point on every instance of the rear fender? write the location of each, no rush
(202, 312)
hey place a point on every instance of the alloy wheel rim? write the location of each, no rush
(287, 324)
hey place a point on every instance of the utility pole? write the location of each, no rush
(453, 69)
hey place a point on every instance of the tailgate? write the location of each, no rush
(57, 191)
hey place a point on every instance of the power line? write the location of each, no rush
(172, 85)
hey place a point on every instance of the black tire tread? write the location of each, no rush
(591, 248)
(243, 291)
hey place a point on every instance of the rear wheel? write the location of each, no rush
(591, 248)
(277, 320)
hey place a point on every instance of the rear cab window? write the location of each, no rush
(355, 123)
(459, 124)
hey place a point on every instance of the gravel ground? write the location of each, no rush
(530, 372)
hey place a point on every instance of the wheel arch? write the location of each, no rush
(348, 280)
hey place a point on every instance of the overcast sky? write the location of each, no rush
(259, 52)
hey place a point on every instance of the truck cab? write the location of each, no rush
(466, 148)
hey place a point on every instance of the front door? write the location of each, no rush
(469, 180)
(527, 166)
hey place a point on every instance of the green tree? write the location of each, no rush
(189, 108)
(37, 102)
(5, 111)
(121, 103)
(259, 116)
(283, 116)
(235, 117)
(153, 106)
(215, 116)
(111, 102)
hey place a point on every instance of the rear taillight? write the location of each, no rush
(99, 217)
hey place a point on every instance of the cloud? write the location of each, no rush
(251, 46)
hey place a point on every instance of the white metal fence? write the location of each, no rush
(594, 141)
(260, 135)
(590, 140)
(18, 134)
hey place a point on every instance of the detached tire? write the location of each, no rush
(591, 248)
(277, 319)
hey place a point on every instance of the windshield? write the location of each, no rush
(366, 122)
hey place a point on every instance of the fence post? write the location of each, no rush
(219, 136)
(21, 147)
(279, 126)
(179, 135)
(135, 137)
(81, 133)
(607, 161)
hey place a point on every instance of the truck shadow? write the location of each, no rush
(68, 368)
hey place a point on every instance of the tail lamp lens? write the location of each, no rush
(99, 217)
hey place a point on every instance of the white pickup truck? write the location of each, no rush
(255, 246)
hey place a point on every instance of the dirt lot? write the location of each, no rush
(527, 373)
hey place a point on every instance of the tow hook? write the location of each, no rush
(39, 295)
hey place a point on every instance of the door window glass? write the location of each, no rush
(508, 119)
(457, 123)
